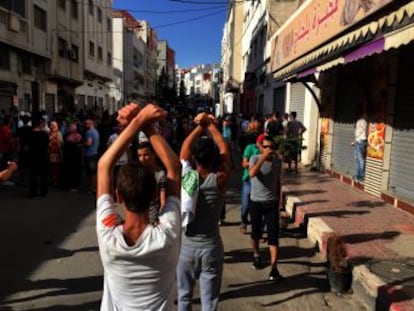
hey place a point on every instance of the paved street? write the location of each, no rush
(50, 261)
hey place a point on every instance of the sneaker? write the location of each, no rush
(274, 275)
(257, 263)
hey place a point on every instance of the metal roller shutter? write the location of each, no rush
(297, 100)
(402, 145)
(344, 125)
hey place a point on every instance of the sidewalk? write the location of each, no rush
(379, 237)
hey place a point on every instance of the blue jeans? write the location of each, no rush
(205, 264)
(360, 149)
(245, 198)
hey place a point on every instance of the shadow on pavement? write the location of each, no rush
(90, 306)
(291, 283)
(59, 287)
(369, 204)
(364, 237)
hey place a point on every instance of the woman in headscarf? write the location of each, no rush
(55, 153)
(72, 159)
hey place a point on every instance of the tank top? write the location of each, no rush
(204, 231)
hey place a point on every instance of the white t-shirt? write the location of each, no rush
(361, 130)
(142, 276)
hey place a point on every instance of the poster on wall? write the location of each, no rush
(324, 132)
(376, 140)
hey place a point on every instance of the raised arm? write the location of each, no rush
(168, 158)
(223, 173)
(136, 121)
(185, 153)
(8, 172)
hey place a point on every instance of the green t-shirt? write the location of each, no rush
(249, 151)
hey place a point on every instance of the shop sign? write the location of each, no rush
(376, 140)
(324, 132)
(316, 23)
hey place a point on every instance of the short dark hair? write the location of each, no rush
(203, 152)
(145, 145)
(270, 140)
(137, 186)
(293, 113)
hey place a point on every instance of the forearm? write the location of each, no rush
(254, 170)
(120, 145)
(6, 174)
(219, 140)
(164, 153)
(185, 153)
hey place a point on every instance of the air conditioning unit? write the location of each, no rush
(14, 22)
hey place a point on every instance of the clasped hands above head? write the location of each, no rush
(203, 119)
(149, 114)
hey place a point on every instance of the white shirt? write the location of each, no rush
(361, 130)
(142, 276)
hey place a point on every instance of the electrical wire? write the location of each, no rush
(189, 20)
(155, 12)
(153, 27)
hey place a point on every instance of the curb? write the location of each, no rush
(365, 285)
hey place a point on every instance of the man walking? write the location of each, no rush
(202, 253)
(265, 171)
(139, 258)
(360, 147)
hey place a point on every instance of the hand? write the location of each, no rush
(352, 144)
(199, 117)
(12, 166)
(151, 113)
(267, 152)
(212, 118)
(127, 113)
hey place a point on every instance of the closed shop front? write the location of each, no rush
(348, 95)
(401, 180)
(297, 100)
(279, 98)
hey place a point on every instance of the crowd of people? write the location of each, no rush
(169, 172)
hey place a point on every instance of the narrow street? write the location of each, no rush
(60, 268)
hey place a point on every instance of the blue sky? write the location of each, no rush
(195, 42)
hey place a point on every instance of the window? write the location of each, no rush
(91, 49)
(74, 53)
(100, 53)
(62, 47)
(108, 25)
(16, 6)
(100, 15)
(5, 58)
(74, 9)
(109, 59)
(62, 4)
(91, 7)
(26, 63)
(40, 19)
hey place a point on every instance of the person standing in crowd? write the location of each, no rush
(6, 142)
(39, 158)
(8, 171)
(55, 153)
(265, 176)
(360, 147)
(250, 150)
(124, 159)
(139, 259)
(274, 126)
(202, 253)
(72, 159)
(147, 158)
(24, 134)
(91, 144)
(294, 131)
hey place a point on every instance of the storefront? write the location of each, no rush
(362, 62)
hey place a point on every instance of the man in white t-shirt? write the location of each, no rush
(139, 258)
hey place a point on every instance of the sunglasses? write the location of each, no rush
(267, 146)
